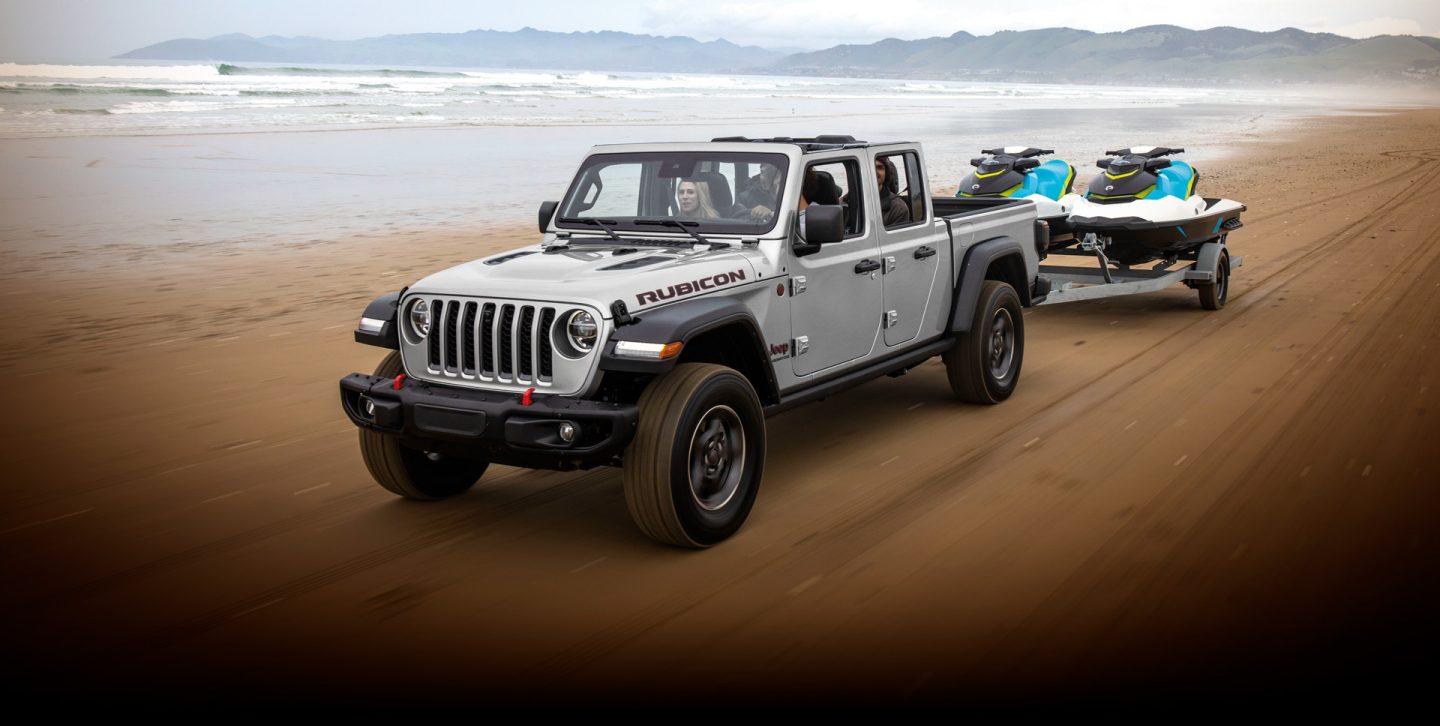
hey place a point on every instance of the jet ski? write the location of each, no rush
(1016, 172)
(1143, 207)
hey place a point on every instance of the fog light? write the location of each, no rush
(370, 408)
(567, 432)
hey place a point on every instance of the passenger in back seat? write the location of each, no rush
(893, 210)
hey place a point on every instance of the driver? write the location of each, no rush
(759, 198)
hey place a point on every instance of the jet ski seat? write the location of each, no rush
(1051, 179)
(1177, 180)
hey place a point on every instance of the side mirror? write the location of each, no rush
(1103, 163)
(547, 213)
(1028, 162)
(823, 224)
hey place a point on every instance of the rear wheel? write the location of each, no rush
(694, 467)
(984, 364)
(414, 473)
(1212, 296)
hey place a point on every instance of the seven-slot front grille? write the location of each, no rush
(491, 341)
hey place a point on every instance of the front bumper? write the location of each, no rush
(495, 425)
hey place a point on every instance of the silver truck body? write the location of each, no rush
(818, 316)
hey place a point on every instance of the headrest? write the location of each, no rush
(720, 195)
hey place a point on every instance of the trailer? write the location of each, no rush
(1204, 268)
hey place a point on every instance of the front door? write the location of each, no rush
(836, 293)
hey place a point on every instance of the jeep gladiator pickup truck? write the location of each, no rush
(681, 294)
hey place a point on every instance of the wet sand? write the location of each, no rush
(1214, 505)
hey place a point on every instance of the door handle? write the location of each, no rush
(866, 266)
(924, 252)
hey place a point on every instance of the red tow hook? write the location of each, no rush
(528, 397)
(399, 379)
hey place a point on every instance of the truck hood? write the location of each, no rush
(641, 276)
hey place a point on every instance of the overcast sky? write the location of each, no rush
(89, 30)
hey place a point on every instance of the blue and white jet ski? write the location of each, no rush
(1143, 207)
(1017, 172)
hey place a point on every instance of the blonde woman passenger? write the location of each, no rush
(693, 200)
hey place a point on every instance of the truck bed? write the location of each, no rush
(952, 207)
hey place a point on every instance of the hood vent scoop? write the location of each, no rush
(636, 262)
(511, 256)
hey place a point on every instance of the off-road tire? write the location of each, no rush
(996, 340)
(412, 473)
(676, 443)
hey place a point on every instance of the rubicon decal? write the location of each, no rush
(691, 287)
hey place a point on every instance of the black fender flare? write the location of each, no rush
(684, 321)
(386, 308)
(978, 260)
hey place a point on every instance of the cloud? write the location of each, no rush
(1377, 26)
(808, 23)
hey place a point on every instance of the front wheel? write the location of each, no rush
(694, 467)
(413, 473)
(984, 364)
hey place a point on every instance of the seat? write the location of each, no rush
(1177, 180)
(1052, 180)
(824, 190)
(719, 187)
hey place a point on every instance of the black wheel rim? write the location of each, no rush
(716, 458)
(1001, 344)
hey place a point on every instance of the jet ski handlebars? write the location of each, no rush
(1149, 152)
(1018, 152)
(1150, 164)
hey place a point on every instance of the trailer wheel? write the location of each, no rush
(413, 473)
(984, 364)
(694, 467)
(1212, 296)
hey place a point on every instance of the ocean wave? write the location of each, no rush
(225, 69)
(144, 107)
(37, 70)
(69, 89)
(264, 93)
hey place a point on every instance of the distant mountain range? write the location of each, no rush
(1152, 54)
(1149, 54)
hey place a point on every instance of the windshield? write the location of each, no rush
(722, 193)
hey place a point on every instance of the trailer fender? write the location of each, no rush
(1207, 263)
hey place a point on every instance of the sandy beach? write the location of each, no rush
(1220, 505)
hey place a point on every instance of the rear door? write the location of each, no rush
(910, 245)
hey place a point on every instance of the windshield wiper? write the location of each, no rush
(601, 223)
(678, 225)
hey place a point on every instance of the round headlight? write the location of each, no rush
(420, 318)
(582, 331)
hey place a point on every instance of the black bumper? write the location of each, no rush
(497, 426)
